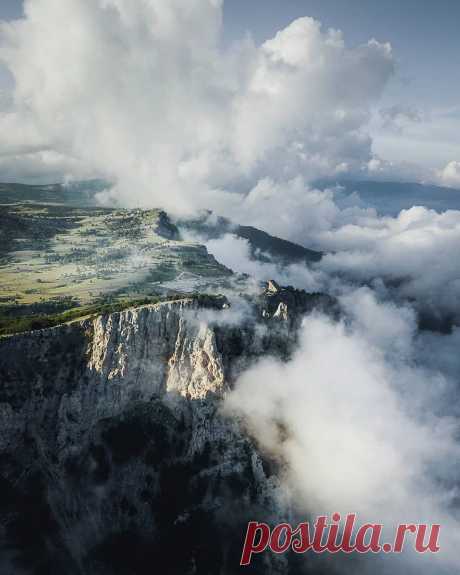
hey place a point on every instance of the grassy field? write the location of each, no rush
(10, 325)
(59, 261)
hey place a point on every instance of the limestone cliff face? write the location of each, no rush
(114, 457)
(73, 375)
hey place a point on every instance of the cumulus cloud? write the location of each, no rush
(143, 93)
(450, 175)
(412, 254)
(356, 423)
(414, 251)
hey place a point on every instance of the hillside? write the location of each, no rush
(56, 257)
(62, 258)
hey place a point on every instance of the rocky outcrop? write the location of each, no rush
(114, 455)
(263, 247)
(290, 305)
(166, 228)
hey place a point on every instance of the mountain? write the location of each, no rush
(61, 260)
(117, 349)
(75, 193)
(389, 198)
(263, 246)
(116, 457)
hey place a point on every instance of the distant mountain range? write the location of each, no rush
(74, 194)
(263, 246)
(389, 198)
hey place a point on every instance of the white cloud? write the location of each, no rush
(360, 426)
(416, 252)
(235, 253)
(287, 209)
(450, 175)
(143, 93)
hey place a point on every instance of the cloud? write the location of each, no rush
(414, 251)
(423, 138)
(440, 352)
(288, 209)
(143, 93)
(450, 175)
(412, 254)
(41, 167)
(361, 429)
(397, 117)
(235, 253)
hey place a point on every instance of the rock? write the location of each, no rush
(272, 287)
(289, 305)
(114, 444)
(166, 228)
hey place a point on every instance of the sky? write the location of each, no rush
(424, 34)
(413, 122)
(11, 9)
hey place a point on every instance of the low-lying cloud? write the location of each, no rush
(411, 257)
(361, 424)
(235, 253)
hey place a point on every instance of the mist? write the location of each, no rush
(364, 425)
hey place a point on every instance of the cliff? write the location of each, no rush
(114, 455)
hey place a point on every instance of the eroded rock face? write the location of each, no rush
(290, 305)
(114, 456)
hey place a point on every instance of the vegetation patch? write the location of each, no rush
(19, 324)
